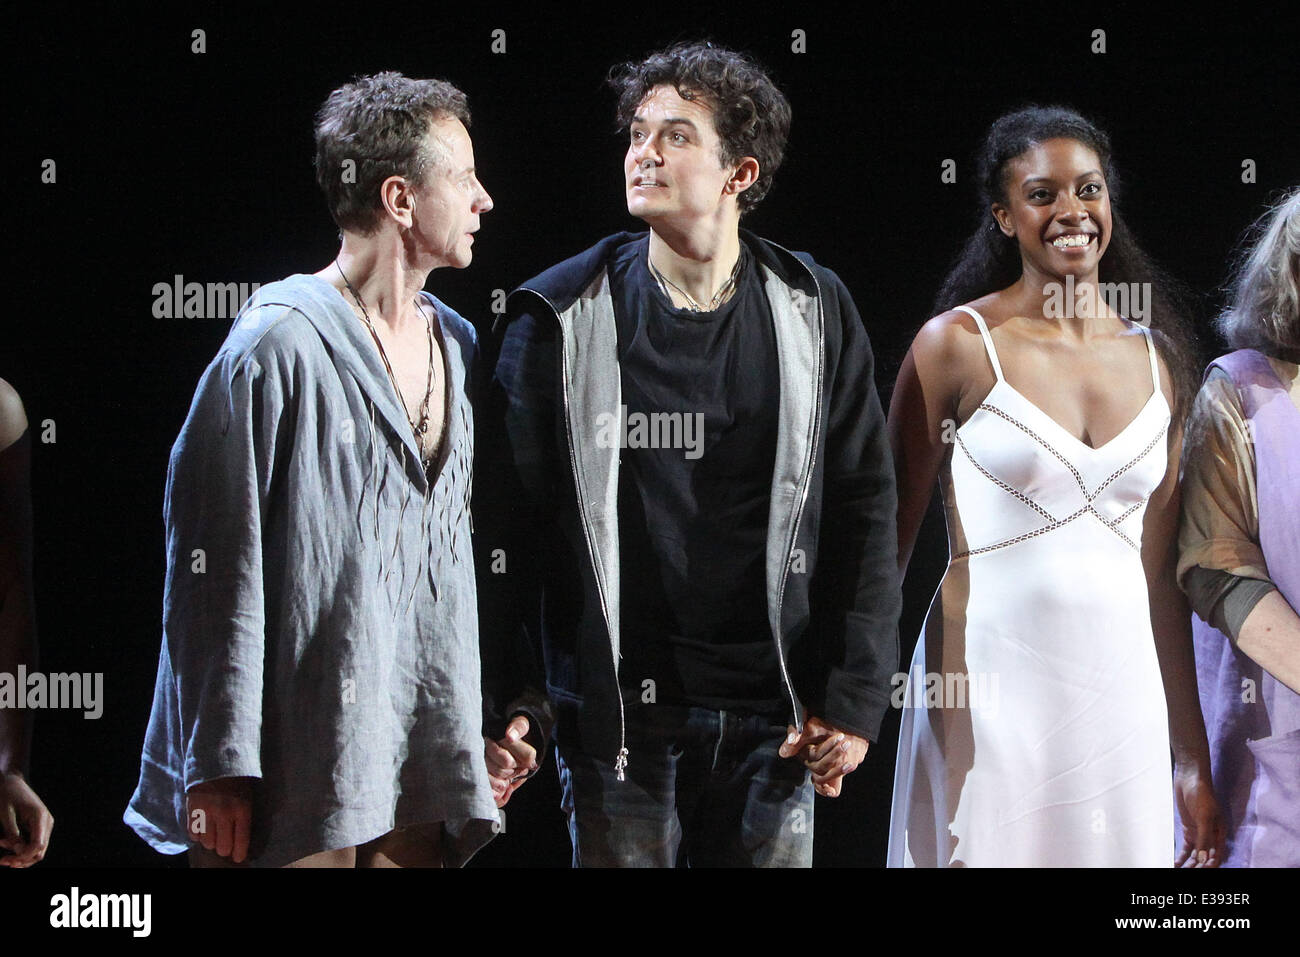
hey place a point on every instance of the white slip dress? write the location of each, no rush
(1034, 728)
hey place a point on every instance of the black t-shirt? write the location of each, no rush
(693, 515)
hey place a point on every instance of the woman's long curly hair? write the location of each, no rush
(990, 260)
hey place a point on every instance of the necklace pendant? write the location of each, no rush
(422, 428)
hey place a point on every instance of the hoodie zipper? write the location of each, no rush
(621, 761)
(805, 484)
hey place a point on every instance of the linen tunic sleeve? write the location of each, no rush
(1219, 530)
(220, 483)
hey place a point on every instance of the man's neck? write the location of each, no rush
(376, 270)
(697, 263)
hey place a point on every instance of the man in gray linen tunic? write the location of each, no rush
(320, 624)
(320, 629)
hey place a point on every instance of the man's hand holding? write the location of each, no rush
(25, 822)
(511, 760)
(219, 815)
(826, 751)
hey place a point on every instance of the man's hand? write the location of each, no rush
(219, 815)
(510, 761)
(826, 751)
(22, 812)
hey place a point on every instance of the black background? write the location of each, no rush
(200, 164)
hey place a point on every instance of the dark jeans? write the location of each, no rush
(703, 789)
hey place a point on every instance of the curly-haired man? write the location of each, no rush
(697, 496)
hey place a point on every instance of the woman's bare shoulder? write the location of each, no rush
(948, 347)
(947, 334)
(13, 420)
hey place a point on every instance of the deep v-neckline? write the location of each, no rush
(1155, 393)
(1078, 442)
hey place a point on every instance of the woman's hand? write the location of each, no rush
(1203, 834)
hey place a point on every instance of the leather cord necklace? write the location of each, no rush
(422, 426)
(719, 298)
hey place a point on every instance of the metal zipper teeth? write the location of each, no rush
(620, 762)
(805, 482)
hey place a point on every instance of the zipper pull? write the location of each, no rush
(620, 763)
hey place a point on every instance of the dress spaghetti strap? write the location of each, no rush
(1151, 354)
(1045, 583)
(988, 340)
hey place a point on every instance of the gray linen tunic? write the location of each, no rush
(320, 629)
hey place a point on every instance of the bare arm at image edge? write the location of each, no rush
(25, 822)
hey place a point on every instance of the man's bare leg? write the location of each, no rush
(343, 857)
(417, 846)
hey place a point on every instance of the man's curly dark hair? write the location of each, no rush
(751, 115)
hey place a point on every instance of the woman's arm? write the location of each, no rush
(17, 633)
(1270, 635)
(25, 822)
(1221, 564)
(1171, 625)
(923, 418)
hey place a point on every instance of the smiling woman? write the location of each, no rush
(1061, 498)
(991, 258)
